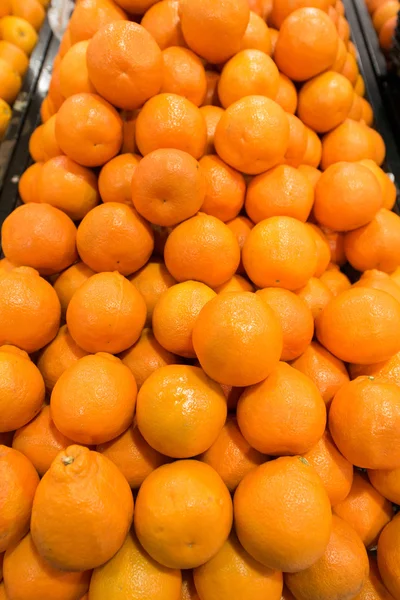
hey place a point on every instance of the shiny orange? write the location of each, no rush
(183, 74)
(92, 15)
(29, 10)
(10, 82)
(28, 185)
(15, 57)
(257, 35)
(286, 95)
(351, 141)
(74, 76)
(225, 189)
(18, 31)
(162, 21)
(316, 295)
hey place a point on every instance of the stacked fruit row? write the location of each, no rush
(195, 401)
(384, 15)
(20, 20)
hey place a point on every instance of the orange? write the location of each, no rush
(252, 135)
(256, 36)
(5, 117)
(50, 146)
(376, 245)
(165, 419)
(224, 352)
(136, 7)
(283, 8)
(93, 401)
(350, 141)
(295, 318)
(15, 57)
(212, 116)
(19, 32)
(115, 178)
(347, 196)
(152, 281)
(175, 314)
(192, 246)
(380, 281)
(162, 21)
(106, 314)
(74, 76)
(28, 185)
(360, 325)
(69, 281)
(10, 81)
(237, 283)
(183, 74)
(231, 456)
(225, 188)
(327, 372)
(386, 33)
(374, 588)
(249, 72)
(5, 8)
(29, 10)
(64, 184)
(340, 59)
(359, 88)
(90, 16)
(233, 573)
(214, 31)
(132, 455)
(212, 88)
(240, 227)
(125, 64)
(365, 510)
(82, 498)
(335, 281)
(282, 415)
(343, 29)
(40, 441)
(133, 573)
(198, 529)
(286, 95)
(21, 390)
(335, 471)
(19, 486)
(366, 429)
(387, 186)
(298, 141)
(55, 94)
(336, 243)
(280, 252)
(34, 321)
(27, 575)
(92, 141)
(113, 236)
(388, 560)
(171, 121)
(47, 109)
(386, 482)
(65, 43)
(168, 187)
(263, 521)
(39, 236)
(146, 356)
(35, 144)
(379, 152)
(325, 101)
(306, 45)
(323, 249)
(312, 156)
(350, 69)
(281, 191)
(356, 110)
(340, 572)
(316, 295)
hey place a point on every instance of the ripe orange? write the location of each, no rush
(323, 249)
(162, 21)
(240, 227)
(92, 141)
(10, 81)
(113, 236)
(198, 529)
(20, 482)
(283, 8)
(286, 95)
(192, 246)
(306, 44)
(237, 283)
(350, 141)
(312, 156)
(281, 191)
(387, 370)
(341, 571)
(298, 141)
(175, 315)
(74, 76)
(18, 31)
(365, 510)
(356, 108)
(386, 34)
(316, 295)
(168, 187)
(50, 146)
(262, 520)
(280, 252)
(386, 482)
(183, 74)
(336, 243)
(171, 121)
(152, 281)
(340, 59)
(380, 281)
(224, 352)
(15, 57)
(82, 498)
(212, 116)
(28, 185)
(388, 187)
(233, 573)
(249, 72)
(388, 557)
(327, 372)
(55, 94)
(214, 31)
(5, 8)
(295, 319)
(69, 281)
(90, 16)
(374, 588)
(225, 188)
(252, 135)
(106, 314)
(5, 117)
(257, 35)
(379, 145)
(350, 69)
(115, 178)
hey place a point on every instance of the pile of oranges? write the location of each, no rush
(20, 20)
(196, 403)
(384, 19)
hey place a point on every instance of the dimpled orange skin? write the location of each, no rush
(373, 588)
(94, 399)
(106, 314)
(257, 35)
(233, 573)
(90, 16)
(19, 485)
(263, 509)
(184, 74)
(180, 411)
(225, 188)
(82, 510)
(116, 176)
(386, 481)
(252, 135)
(163, 22)
(237, 339)
(388, 556)
(183, 514)
(282, 415)
(27, 576)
